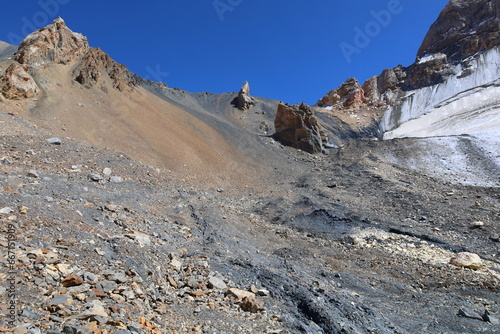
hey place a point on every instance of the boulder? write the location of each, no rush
(467, 260)
(297, 126)
(17, 83)
(245, 101)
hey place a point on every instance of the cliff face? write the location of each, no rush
(463, 28)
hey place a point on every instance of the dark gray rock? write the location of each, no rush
(95, 177)
(70, 329)
(468, 313)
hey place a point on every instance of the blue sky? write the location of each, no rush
(289, 50)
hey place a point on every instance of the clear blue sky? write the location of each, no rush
(290, 50)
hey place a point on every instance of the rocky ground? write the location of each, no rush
(345, 242)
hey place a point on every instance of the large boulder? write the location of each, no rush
(55, 43)
(297, 126)
(245, 101)
(17, 83)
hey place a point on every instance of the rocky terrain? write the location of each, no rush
(130, 207)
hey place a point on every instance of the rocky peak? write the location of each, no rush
(297, 126)
(55, 43)
(245, 101)
(463, 28)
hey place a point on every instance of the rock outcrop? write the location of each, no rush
(17, 83)
(96, 65)
(297, 126)
(55, 43)
(245, 101)
(463, 28)
(349, 95)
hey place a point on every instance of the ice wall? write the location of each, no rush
(480, 72)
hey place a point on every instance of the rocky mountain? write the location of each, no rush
(462, 29)
(131, 207)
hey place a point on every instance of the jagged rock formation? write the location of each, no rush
(17, 83)
(55, 43)
(245, 101)
(463, 28)
(297, 126)
(95, 64)
(349, 95)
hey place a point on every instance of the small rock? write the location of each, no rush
(129, 294)
(71, 329)
(216, 283)
(477, 225)
(71, 280)
(488, 317)
(6, 210)
(23, 209)
(239, 294)
(176, 264)
(107, 286)
(116, 179)
(60, 300)
(99, 293)
(33, 174)
(95, 177)
(54, 141)
(90, 277)
(468, 313)
(28, 314)
(495, 237)
(118, 277)
(467, 260)
(63, 268)
(251, 304)
(107, 171)
(141, 238)
(20, 330)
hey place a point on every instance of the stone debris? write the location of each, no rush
(467, 260)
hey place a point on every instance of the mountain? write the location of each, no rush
(132, 207)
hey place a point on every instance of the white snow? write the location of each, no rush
(485, 69)
(428, 58)
(458, 121)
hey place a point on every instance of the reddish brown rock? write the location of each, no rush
(71, 280)
(55, 43)
(372, 95)
(297, 126)
(252, 304)
(96, 65)
(348, 96)
(17, 83)
(463, 28)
